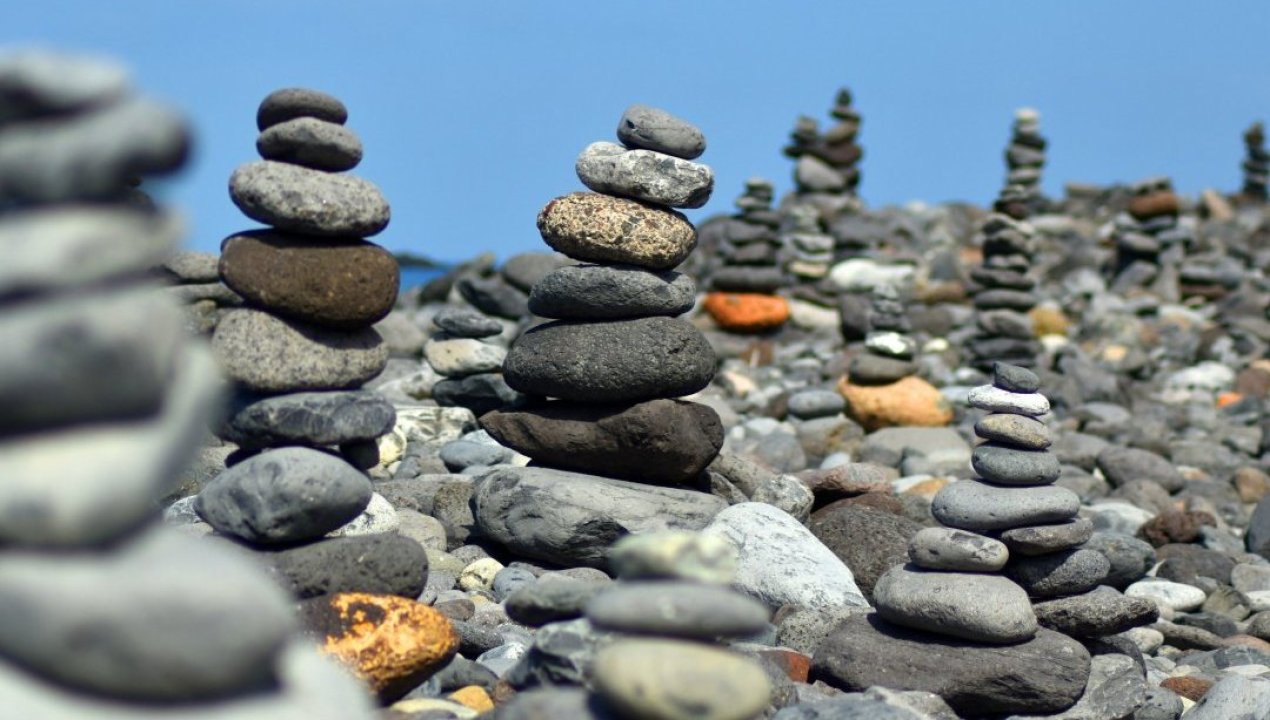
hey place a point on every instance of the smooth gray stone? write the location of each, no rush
(284, 496)
(311, 687)
(311, 143)
(812, 173)
(162, 616)
(480, 393)
(1115, 689)
(552, 597)
(780, 562)
(86, 485)
(870, 369)
(525, 270)
(35, 83)
(811, 404)
(1046, 674)
(1067, 572)
(1257, 536)
(289, 103)
(645, 175)
(611, 292)
(1100, 612)
(494, 296)
(267, 354)
(612, 361)
(1122, 464)
(385, 564)
(465, 323)
(652, 128)
(86, 358)
(190, 266)
(45, 248)
(1005, 465)
(1159, 704)
(1015, 379)
(748, 278)
(1129, 556)
(572, 519)
(459, 455)
(310, 202)
(679, 680)
(980, 507)
(939, 548)
(1015, 430)
(676, 609)
(90, 155)
(1234, 696)
(553, 703)
(314, 419)
(953, 604)
(1041, 539)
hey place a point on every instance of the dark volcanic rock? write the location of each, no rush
(316, 419)
(868, 540)
(604, 292)
(382, 564)
(659, 441)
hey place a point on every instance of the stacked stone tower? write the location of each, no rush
(1004, 295)
(744, 286)
(1256, 163)
(1024, 160)
(1150, 242)
(826, 174)
(604, 376)
(106, 613)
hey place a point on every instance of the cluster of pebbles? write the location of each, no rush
(749, 272)
(107, 614)
(1024, 160)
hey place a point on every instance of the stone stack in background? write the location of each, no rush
(1024, 159)
(825, 175)
(744, 285)
(107, 615)
(1150, 242)
(807, 247)
(193, 280)
(1256, 163)
(1004, 295)
(470, 362)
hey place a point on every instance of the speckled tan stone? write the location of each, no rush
(600, 228)
(390, 642)
(908, 401)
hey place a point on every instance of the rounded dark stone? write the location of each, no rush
(659, 441)
(311, 143)
(1099, 612)
(494, 296)
(871, 369)
(609, 292)
(316, 419)
(480, 393)
(1041, 539)
(387, 564)
(461, 322)
(349, 284)
(1013, 378)
(1068, 572)
(841, 526)
(288, 103)
(748, 278)
(623, 360)
(1006, 465)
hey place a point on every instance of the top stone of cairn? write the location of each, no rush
(648, 128)
(289, 103)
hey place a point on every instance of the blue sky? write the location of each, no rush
(472, 112)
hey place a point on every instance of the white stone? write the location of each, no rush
(479, 574)
(1148, 640)
(1168, 594)
(1258, 600)
(810, 316)
(1116, 516)
(994, 399)
(378, 517)
(861, 275)
(457, 357)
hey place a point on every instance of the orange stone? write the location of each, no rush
(1156, 204)
(747, 312)
(1189, 687)
(794, 664)
(474, 697)
(908, 401)
(1228, 398)
(391, 643)
(926, 488)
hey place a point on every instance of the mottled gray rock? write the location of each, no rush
(1159, 704)
(1122, 464)
(457, 357)
(652, 128)
(1015, 379)
(270, 355)
(1067, 572)
(311, 143)
(1043, 675)
(572, 519)
(600, 228)
(781, 563)
(494, 296)
(952, 603)
(283, 496)
(155, 618)
(641, 359)
(994, 399)
(1097, 613)
(56, 354)
(1234, 696)
(1130, 557)
(311, 202)
(939, 548)
(107, 475)
(1006, 465)
(550, 598)
(1115, 689)
(676, 609)
(980, 507)
(679, 680)
(463, 322)
(289, 103)
(561, 653)
(1041, 539)
(645, 175)
(90, 155)
(1017, 430)
(44, 248)
(842, 526)
(314, 418)
(383, 564)
(610, 292)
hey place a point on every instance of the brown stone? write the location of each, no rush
(1251, 484)
(391, 643)
(794, 664)
(908, 401)
(849, 479)
(340, 284)
(1155, 204)
(1049, 320)
(926, 488)
(1174, 526)
(600, 228)
(1254, 380)
(1188, 686)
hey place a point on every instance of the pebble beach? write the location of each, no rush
(804, 460)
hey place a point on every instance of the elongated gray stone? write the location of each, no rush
(1018, 430)
(289, 103)
(271, 355)
(317, 419)
(980, 507)
(941, 548)
(34, 83)
(645, 175)
(311, 202)
(611, 292)
(311, 143)
(572, 519)
(1006, 465)
(676, 609)
(652, 128)
(955, 604)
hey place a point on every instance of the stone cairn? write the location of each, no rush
(743, 297)
(826, 172)
(1004, 296)
(808, 249)
(1024, 160)
(469, 362)
(616, 355)
(298, 355)
(1256, 164)
(193, 279)
(1150, 242)
(109, 615)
